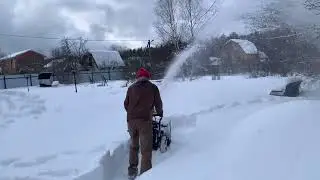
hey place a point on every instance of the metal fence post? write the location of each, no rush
(27, 82)
(4, 82)
(109, 74)
(30, 79)
(75, 81)
(92, 78)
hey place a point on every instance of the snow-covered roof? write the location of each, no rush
(247, 46)
(15, 54)
(51, 62)
(105, 58)
(262, 55)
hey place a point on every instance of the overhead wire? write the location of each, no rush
(59, 38)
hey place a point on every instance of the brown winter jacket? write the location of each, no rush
(141, 98)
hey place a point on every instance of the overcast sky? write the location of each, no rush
(94, 19)
(98, 19)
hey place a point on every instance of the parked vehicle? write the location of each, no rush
(45, 79)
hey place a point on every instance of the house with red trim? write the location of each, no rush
(27, 61)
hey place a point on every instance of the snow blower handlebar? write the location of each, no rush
(158, 115)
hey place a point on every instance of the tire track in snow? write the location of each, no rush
(237, 103)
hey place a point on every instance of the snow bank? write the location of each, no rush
(277, 142)
(109, 164)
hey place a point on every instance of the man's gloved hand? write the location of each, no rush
(155, 113)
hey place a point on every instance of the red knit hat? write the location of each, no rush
(142, 72)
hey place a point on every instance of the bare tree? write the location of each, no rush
(274, 15)
(73, 51)
(268, 17)
(313, 5)
(56, 52)
(195, 15)
(167, 23)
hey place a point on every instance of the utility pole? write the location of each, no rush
(149, 50)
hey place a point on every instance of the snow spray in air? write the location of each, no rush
(175, 67)
(227, 18)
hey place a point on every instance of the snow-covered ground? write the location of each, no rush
(55, 133)
(228, 129)
(247, 143)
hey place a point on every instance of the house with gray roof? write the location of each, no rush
(241, 55)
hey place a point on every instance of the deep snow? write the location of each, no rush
(52, 133)
(276, 142)
(55, 133)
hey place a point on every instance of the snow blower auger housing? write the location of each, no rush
(291, 89)
(161, 134)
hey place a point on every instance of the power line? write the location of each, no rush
(59, 38)
(285, 36)
(209, 9)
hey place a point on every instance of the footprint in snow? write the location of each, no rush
(20, 178)
(235, 104)
(59, 173)
(70, 152)
(219, 106)
(17, 105)
(36, 162)
(8, 122)
(8, 162)
(254, 101)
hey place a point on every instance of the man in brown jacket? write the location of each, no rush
(141, 99)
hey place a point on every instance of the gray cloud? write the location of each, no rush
(40, 21)
(135, 18)
(116, 19)
(119, 19)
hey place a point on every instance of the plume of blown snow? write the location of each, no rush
(228, 18)
(177, 63)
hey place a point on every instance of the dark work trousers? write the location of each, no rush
(140, 136)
